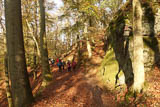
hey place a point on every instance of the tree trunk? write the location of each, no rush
(7, 79)
(8, 91)
(34, 38)
(138, 63)
(89, 49)
(78, 49)
(37, 57)
(20, 86)
(88, 42)
(36, 48)
(35, 62)
(43, 45)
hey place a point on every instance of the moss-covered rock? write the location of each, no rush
(120, 57)
(109, 68)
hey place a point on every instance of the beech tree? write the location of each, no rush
(20, 86)
(138, 63)
(43, 44)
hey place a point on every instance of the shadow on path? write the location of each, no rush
(71, 89)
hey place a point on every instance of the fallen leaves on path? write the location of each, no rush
(71, 89)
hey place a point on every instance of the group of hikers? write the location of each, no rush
(61, 64)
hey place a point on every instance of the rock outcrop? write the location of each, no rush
(120, 48)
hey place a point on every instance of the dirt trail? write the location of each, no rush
(73, 89)
(79, 88)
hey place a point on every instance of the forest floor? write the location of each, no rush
(82, 88)
(74, 89)
(78, 88)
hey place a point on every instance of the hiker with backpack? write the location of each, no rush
(73, 65)
(57, 60)
(68, 66)
(63, 64)
(59, 64)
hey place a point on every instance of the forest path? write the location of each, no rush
(79, 88)
(74, 89)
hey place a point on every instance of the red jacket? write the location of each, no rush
(73, 64)
(57, 60)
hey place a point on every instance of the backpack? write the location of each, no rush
(58, 64)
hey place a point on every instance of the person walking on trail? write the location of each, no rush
(69, 66)
(52, 61)
(59, 64)
(73, 65)
(63, 64)
(57, 60)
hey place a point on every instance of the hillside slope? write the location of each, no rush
(87, 86)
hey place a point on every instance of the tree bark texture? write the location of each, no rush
(20, 86)
(138, 63)
(43, 42)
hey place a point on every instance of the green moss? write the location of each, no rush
(48, 77)
(108, 57)
(109, 68)
(146, 85)
(152, 43)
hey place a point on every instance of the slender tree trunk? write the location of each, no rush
(2, 74)
(20, 86)
(43, 44)
(138, 63)
(89, 49)
(35, 62)
(78, 48)
(34, 39)
(88, 42)
(37, 58)
(8, 91)
(36, 48)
